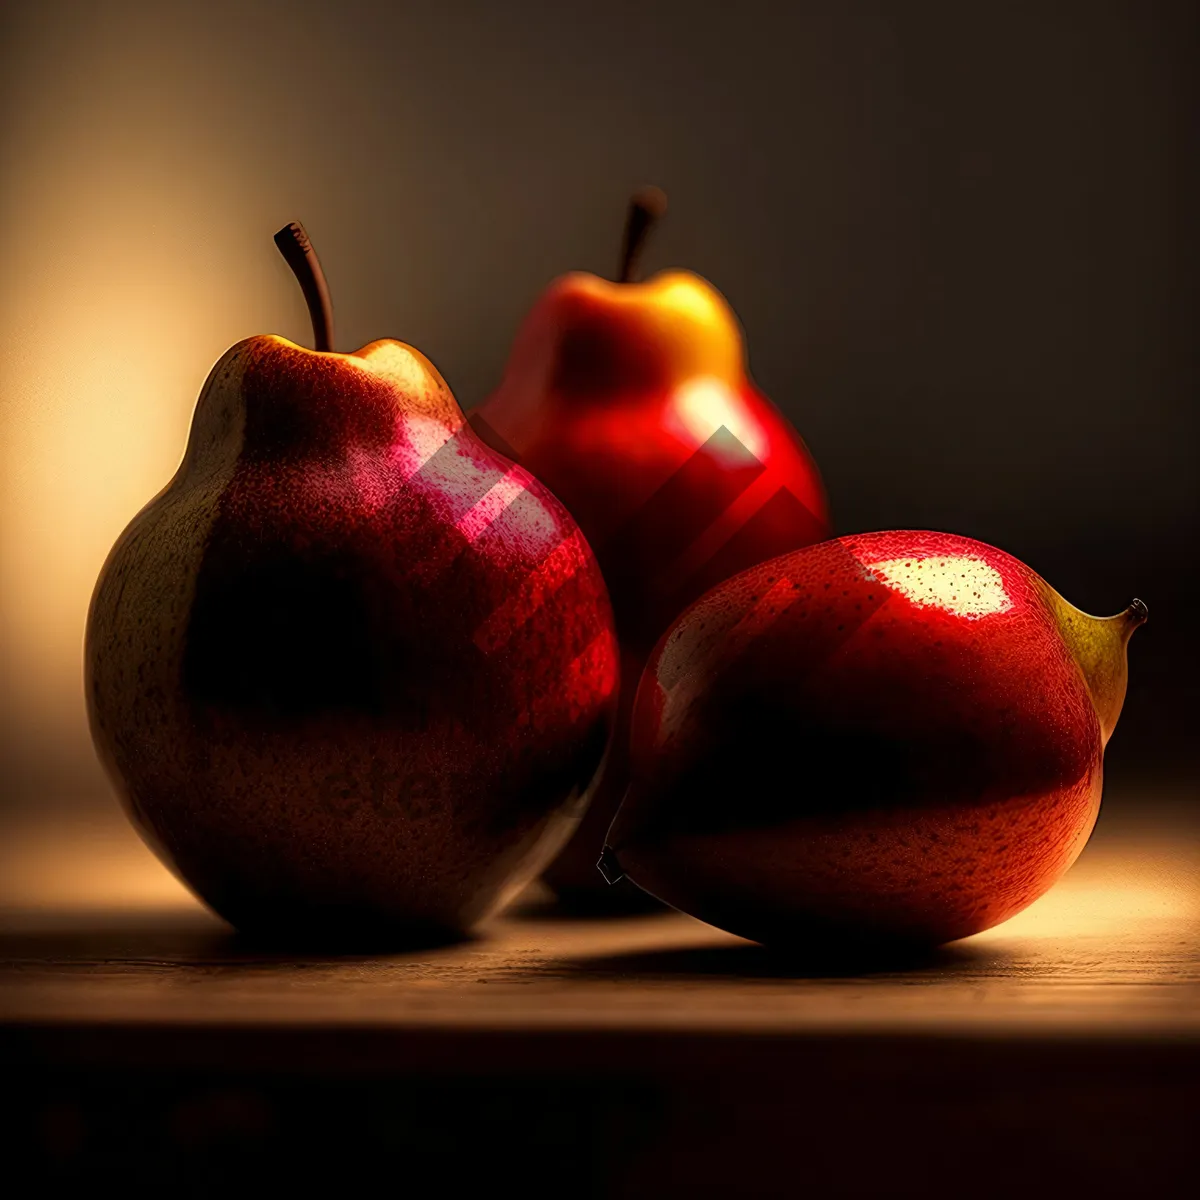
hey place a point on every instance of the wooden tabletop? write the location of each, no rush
(1078, 1018)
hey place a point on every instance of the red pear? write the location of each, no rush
(633, 403)
(888, 737)
(351, 670)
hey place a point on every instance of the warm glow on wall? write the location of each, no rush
(95, 422)
(126, 275)
(118, 332)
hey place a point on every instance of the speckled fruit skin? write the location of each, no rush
(890, 737)
(632, 402)
(351, 671)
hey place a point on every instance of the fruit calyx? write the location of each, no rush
(646, 206)
(610, 869)
(1098, 646)
(298, 253)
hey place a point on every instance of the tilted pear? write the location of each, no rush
(892, 736)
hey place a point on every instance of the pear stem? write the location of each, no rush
(646, 206)
(1136, 614)
(299, 254)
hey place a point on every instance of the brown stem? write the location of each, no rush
(299, 254)
(646, 206)
(1137, 613)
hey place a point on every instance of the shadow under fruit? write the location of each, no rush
(351, 670)
(892, 737)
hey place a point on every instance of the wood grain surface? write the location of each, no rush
(642, 1054)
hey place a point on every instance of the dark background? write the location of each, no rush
(960, 236)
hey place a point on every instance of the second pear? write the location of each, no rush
(632, 402)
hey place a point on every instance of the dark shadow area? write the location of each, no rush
(364, 942)
(748, 961)
(120, 935)
(187, 938)
(217, 1133)
(618, 904)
